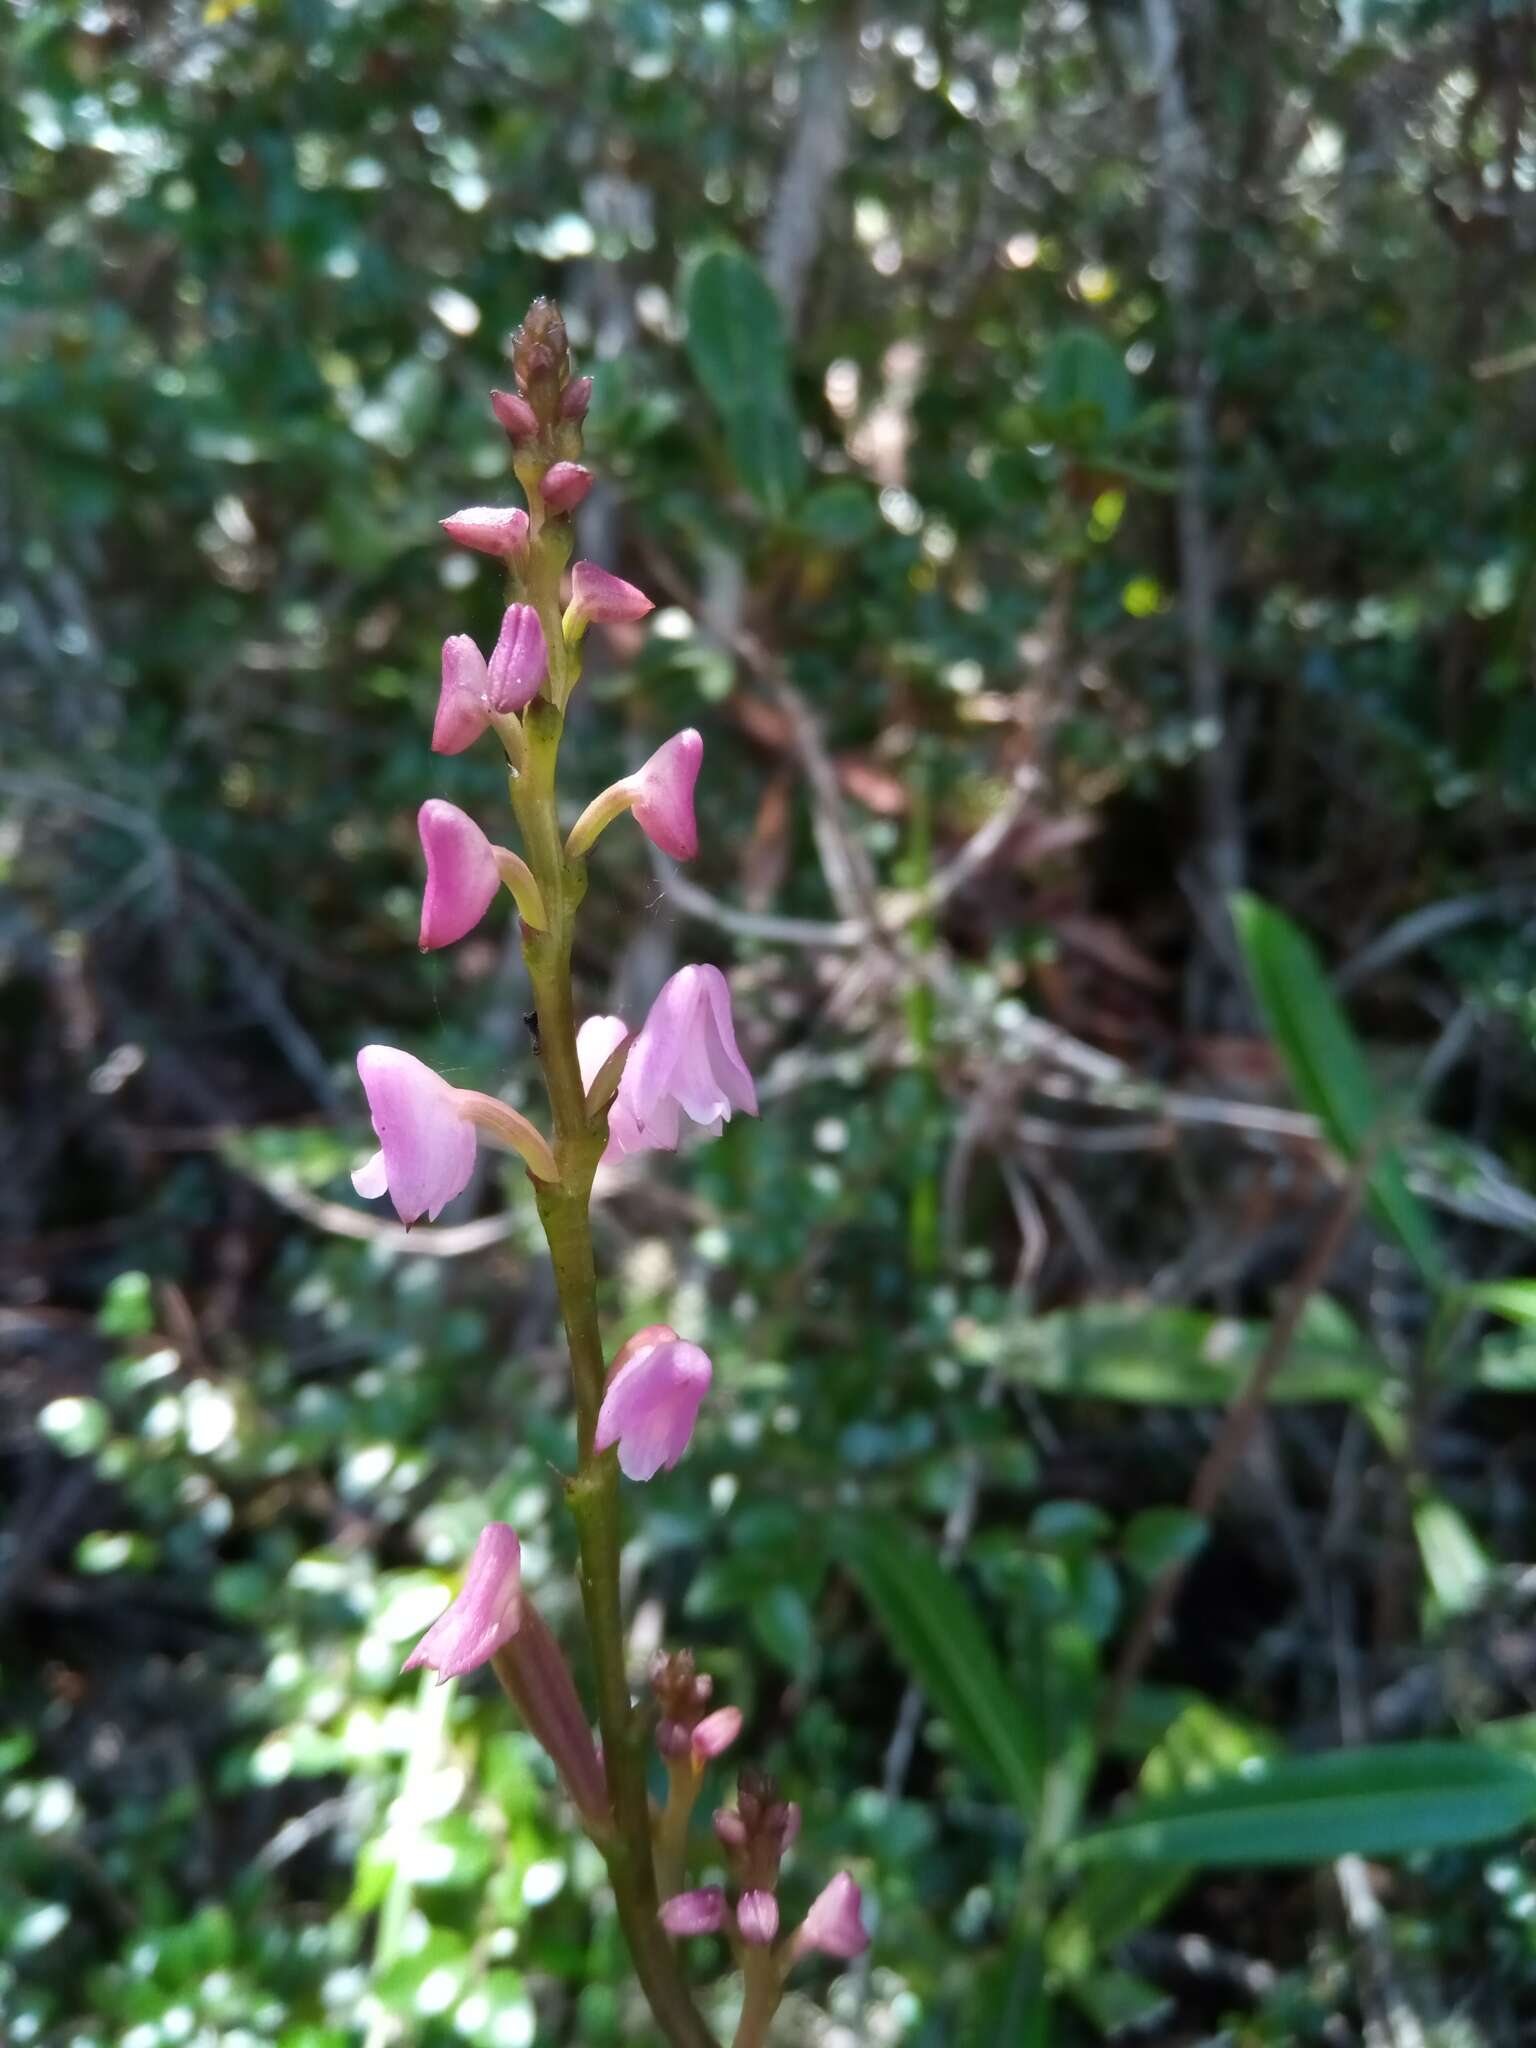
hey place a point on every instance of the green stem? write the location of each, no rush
(764, 1990)
(594, 1493)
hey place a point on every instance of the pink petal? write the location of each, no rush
(485, 1614)
(608, 599)
(491, 529)
(462, 714)
(700, 1912)
(429, 1150)
(565, 485)
(651, 1406)
(372, 1178)
(686, 1058)
(835, 1922)
(716, 1732)
(519, 662)
(462, 876)
(757, 1918)
(664, 787)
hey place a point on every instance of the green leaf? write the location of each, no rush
(937, 1633)
(1513, 1299)
(1086, 389)
(1160, 1537)
(1009, 2002)
(740, 354)
(1369, 1802)
(783, 1624)
(1455, 1563)
(1113, 1999)
(1124, 1351)
(1326, 1065)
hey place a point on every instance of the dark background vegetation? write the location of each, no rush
(1146, 486)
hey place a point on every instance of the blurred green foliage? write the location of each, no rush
(911, 451)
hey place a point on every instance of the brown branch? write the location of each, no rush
(1226, 1453)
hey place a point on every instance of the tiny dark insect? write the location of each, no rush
(531, 1021)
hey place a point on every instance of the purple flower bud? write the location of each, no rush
(575, 399)
(757, 1918)
(663, 799)
(462, 876)
(462, 714)
(485, 1614)
(700, 1912)
(519, 662)
(595, 594)
(652, 1401)
(730, 1827)
(515, 414)
(835, 1922)
(565, 485)
(427, 1147)
(685, 1062)
(491, 529)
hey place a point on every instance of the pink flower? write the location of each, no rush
(486, 1613)
(835, 1922)
(462, 876)
(652, 1401)
(515, 414)
(463, 708)
(427, 1144)
(715, 1734)
(700, 1912)
(595, 594)
(684, 1062)
(519, 662)
(490, 529)
(663, 795)
(565, 485)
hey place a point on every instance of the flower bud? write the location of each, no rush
(519, 661)
(834, 1924)
(541, 357)
(575, 399)
(595, 594)
(700, 1912)
(489, 529)
(757, 1919)
(462, 712)
(515, 414)
(462, 873)
(565, 485)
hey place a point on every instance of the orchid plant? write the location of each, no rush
(610, 1093)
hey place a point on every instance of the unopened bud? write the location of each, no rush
(565, 485)
(575, 399)
(515, 414)
(541, 358)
